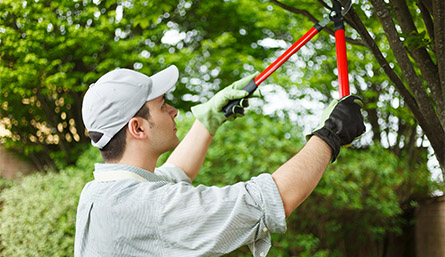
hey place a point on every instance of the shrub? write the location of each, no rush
(4, 184)
(39, 213)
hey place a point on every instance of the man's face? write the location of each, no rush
(162, 127)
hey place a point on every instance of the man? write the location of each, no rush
(134, 209)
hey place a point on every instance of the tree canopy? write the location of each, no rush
(52, 50)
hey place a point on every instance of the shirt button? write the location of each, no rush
(265, 230)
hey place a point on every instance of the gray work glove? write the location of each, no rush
(341, 123)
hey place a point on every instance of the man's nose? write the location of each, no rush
(173, 111)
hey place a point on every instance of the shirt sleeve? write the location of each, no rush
(172, 173)
(209, 221)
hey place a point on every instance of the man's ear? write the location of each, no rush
(136, 128)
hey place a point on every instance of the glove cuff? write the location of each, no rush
(331, 139)
(211, 121)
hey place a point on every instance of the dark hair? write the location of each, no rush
(114, 150)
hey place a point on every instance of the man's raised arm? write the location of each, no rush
(191, 152)
(342, 122)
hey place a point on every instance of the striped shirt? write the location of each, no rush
(167, 216)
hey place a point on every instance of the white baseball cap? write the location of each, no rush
(117, 96)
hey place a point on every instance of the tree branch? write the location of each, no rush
(346, 18)
(428, 5)
(426, 16)
(407, 96)
(418, 102)
(420, 54)
(432, 126)
(314, 20)
(439, 35)
(361, 29)
(323, 3)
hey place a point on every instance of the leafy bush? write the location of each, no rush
(4, 184)
(39, 213)
(34, 219)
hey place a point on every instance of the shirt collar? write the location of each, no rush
(103, 167)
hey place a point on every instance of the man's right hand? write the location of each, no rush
(210, 114)
(341, 123)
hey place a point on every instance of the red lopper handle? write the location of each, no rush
(342, 63)
(286, 55)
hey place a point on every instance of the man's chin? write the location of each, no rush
(177, 143)
(174, 145)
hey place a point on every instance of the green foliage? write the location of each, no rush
(34, 218)
(39, 212)
(52, 50)
(5, 183)
(296, 244)
(248, 147)
(254, 144)
(358, 201)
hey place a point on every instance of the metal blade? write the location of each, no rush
(346, 8)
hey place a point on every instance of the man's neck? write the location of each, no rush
(145, 162)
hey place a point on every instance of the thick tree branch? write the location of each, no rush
(361, 29)
(407, 96)
(418, 101)
(439, 35)
(419, 53)
(323, 3)
(433, 128)
(428, 5)
(314, 20)
(346, 18)
(426, 16)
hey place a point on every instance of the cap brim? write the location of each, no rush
(163, 81)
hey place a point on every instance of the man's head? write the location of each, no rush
(122, 98)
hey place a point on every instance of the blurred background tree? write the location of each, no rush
(51, 51)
